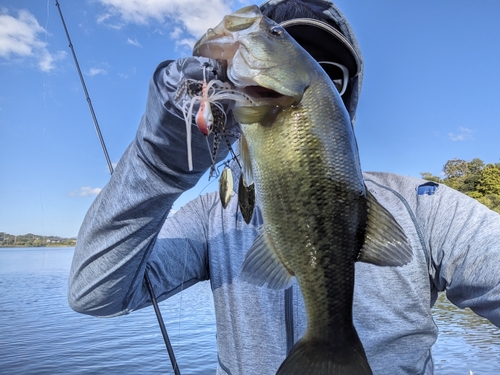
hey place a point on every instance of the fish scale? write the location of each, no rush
(299, 149)
(298, 201)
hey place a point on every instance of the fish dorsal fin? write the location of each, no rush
(385, 241)
(246, 162)
(262, 266)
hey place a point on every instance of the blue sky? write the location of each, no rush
(431, 91)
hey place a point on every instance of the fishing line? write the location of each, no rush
(43, 134)
(46, 43)
(206, 186)
(96, 124)
(181, 293)
(110, 166)
(43, 230)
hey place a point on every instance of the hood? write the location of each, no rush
(330, 12)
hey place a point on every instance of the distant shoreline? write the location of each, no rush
(32, 246)
(34, 240)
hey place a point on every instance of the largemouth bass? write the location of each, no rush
(299, 148)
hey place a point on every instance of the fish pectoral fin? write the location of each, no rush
(262, 266)
(385, 243)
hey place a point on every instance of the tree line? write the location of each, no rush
(34, 240)
(475, 178)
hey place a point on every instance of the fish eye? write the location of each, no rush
(276, 31)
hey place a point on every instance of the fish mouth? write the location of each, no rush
(229, 43)
(257, 93)
(262, 92)
(224, 49)
(216, 46)
(268, 96)
(220, 42)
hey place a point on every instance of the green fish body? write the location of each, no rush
(300, 151)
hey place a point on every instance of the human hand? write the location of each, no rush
(181, 76)
(193, 68)
(191, 83)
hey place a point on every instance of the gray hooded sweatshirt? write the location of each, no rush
(126, 232)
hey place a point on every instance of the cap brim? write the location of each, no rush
(323, 42)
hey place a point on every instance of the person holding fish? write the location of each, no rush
(334, 271)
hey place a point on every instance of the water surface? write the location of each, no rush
(40, 334)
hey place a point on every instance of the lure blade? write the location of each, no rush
(246, 199)
(226, 186)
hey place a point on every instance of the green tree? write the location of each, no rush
(474, 178)
(492, 201)
(429, 177)
(475, 166)
(463, 175)
(489, 180)
(38, 242)
(455, 168)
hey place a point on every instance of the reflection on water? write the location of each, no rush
(466, 341)
(34, 260)
(40, 334)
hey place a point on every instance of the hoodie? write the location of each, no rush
(127, 232)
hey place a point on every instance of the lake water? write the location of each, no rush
(40, 334)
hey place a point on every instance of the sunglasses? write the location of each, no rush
(338, 74)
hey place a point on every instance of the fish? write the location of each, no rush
(299, 150)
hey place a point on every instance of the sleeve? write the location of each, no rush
(463, 237)
(118, 235)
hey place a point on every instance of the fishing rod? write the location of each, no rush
(149, 286)
(87, 96)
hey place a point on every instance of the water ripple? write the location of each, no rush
(41, 335)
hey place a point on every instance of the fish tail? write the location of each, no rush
(318, 357)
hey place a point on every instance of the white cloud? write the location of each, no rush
(103, 18)
(462, 135)
(95, 71)
(107, 19)
(193, 16)
(20, 37)
(456, 137)
(46, 62)
(176, 33)
(188, 42)
(85, 191)
(134, 42)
